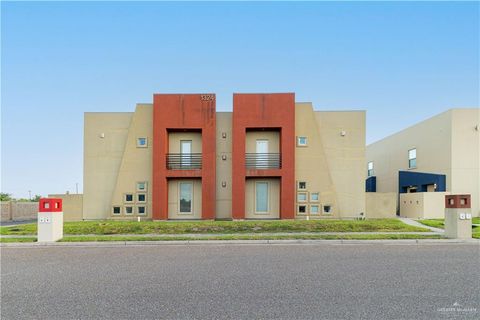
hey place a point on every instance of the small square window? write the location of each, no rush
(301, 197)
(128, 197)
(327, 209)
(141, 210)
(302, 209)
(412, 158)
(46, 205)
(314, 209)
(128, 210)
(141, 186)
(141, 197)
(314, 196)
(302, 185)
(301, 141)
(116, 210)
(142, 142)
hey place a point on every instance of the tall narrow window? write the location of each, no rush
(185, 197)
(186, 152)
(412, 158)
(261, 197)
(370, 169)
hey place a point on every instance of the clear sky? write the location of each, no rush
(401, 61)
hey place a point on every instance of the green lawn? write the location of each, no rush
(234, 237)
(439, 223)
(228, 227)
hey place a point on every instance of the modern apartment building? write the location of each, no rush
(271, 158)
(440, 154)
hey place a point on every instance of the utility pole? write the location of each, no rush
(29, 194)
(76, 187)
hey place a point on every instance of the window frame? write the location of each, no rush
(302, 213)
(329, 212)
(137, 212)
(267, 211)
(302, 193)
(126, 211)
(414, 159)
(139, 145)
(125, 198)
(113, 210)
(318, 197)
(299, 144)
(318, 209)
(298, 185)
(141, 194)
(191, 197)
(145, 186)
(370, 171)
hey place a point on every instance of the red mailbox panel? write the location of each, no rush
(50, 205)
(458, 201)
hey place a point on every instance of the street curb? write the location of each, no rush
(241, 242)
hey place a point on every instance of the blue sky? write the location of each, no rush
(401, 61)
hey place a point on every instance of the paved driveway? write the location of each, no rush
(242, 282)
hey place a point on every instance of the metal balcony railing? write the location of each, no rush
(184, 161)
(263, 160)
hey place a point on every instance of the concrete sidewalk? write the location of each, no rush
(418, 224)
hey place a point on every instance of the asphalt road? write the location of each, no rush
(242, 282)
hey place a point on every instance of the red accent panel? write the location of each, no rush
(458, 201)
(264, 111)
(50, 205)
(183, 112)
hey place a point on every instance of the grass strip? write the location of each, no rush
(229, 227)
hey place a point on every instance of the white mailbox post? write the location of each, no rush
(458, 216)
(50, 220)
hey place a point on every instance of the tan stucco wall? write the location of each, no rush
(224, 167)
(446, 144)
(174, 139)
(380, 205)
(72, 206)
(332, 164)
(273, 199)
(173, 199)
(136, 164)
(423, 205)
(102, 160)
(18, 211)
(273, 138)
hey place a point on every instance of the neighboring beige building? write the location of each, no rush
(439, 154)
(120, 174)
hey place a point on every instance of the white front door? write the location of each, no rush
(186, 150)
(261, 150)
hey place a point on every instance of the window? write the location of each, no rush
(128, 197)
(301, 197)
(314, 196)
(261, 197)
(314, 209)
(412, 158)
(141, 197)
(302, 209)
(327, 209)
(142, 142)
(141, 186)
(261, 157)
(302, 185)
(370, 169)
(301, 141)
(141, 210)
(128, 210)
(186, 195)
(116, 210)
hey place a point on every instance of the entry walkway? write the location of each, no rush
(418, 224)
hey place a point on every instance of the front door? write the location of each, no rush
(262, 153)
(185, 151)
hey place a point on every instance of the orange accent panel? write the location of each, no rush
(264, 111)
(183, 112)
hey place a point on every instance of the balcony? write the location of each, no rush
(184, 161)
(263, 160)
